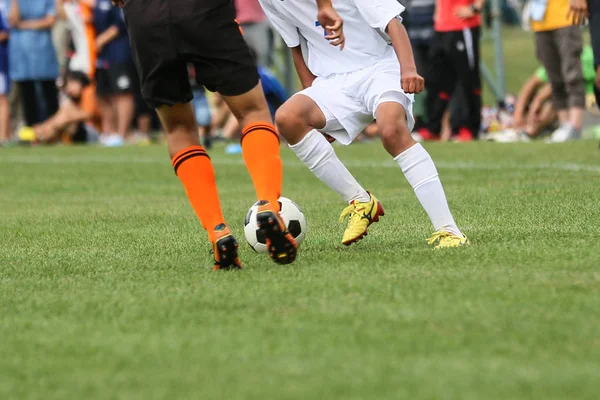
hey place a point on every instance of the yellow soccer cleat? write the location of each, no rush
(362, 215)
(446, 240)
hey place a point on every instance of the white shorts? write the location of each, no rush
(349, 101)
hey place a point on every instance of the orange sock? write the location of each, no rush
(260, 148)
(193, 167)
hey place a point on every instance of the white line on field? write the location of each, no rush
(296, 164)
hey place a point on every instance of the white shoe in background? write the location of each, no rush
(565, 133)
(112, 140)
(509, 136)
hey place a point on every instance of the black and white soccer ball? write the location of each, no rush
(292, 216)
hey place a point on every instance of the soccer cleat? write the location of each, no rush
(280, 243)
(362, 215)
(225, 249)
(442, 240)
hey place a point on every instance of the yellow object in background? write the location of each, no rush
(27, 134)
(555, 17)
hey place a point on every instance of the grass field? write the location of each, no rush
(106, 290)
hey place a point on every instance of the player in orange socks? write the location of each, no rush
(165, 38)
(260, 147)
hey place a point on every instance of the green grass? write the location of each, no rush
(106, 290)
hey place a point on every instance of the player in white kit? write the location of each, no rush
(373, 78)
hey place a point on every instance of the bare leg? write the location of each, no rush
(109, 125)
(231, 127)
(576, 117)
(125, 110)
(395, 136)
(144, 123)
(4, 119)
(446, 132)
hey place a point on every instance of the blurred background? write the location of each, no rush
(67, 76)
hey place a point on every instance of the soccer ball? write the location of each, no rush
(292, 216)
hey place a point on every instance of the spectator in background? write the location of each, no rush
(115, 76)
(79, 16)
(558, 45)
(32, 60)
(201, 109)
(418, 19)
(255, 27)
(580, 11)
(455, 59)
(203, 116)
(4, 82)
(534, 112)
(73, 123)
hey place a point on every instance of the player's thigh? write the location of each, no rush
(220, 55)
(301, 110)
(178, 119)
(249, 106)
(385, 99)
(345, 117)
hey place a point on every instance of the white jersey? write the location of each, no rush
(365, 22)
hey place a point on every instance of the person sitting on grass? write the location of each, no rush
(534, 111)
(71, 123)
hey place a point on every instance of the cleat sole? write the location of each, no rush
(280, 243)
(228, 255)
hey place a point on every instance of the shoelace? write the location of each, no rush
(350, 210)
(439, 235)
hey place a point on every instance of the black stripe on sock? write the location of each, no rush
(181, 160)
(259, 127)
(185, 153)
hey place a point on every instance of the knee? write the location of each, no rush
(288, 121)
(390, 133)
(395, 136)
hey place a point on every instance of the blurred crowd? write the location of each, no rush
(67, 74)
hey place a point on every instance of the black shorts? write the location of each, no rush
(167, 35)
(118, 79)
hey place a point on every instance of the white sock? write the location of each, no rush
(318, 155)
(420, 172)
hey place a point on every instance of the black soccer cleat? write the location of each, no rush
(280, 243)
(225, 249)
